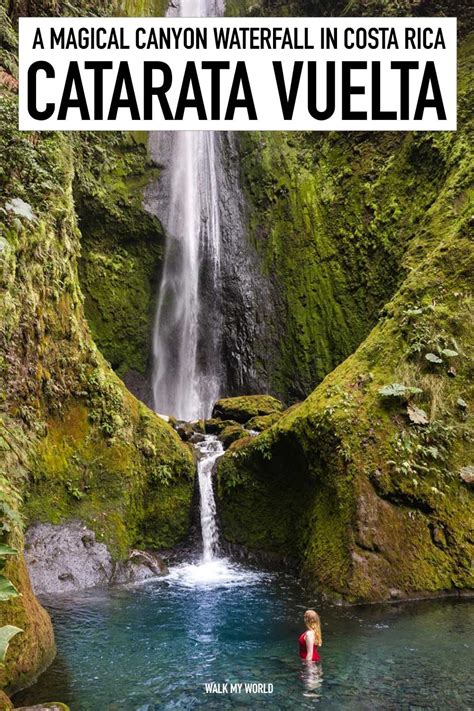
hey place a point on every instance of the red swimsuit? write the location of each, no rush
(304, 651)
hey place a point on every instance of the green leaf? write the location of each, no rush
(7, 550)
(393, 390)
(411, 390)
(433, 358)
(399, 390)
(7, 632)
(7, 590)
(449, 353)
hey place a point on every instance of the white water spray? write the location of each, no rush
(186, 340)
(212, 569)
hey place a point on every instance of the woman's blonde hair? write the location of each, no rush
(313, 623)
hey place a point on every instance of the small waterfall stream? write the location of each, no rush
(211, 568)
(209, 450)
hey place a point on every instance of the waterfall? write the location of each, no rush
(186, 378)
(209, 451)
(212, 568)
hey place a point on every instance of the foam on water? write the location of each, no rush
(220, 572)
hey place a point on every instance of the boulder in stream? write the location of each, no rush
(245, 407)
(141, 565)
(231, 434)
(263, 422)
(67, 557)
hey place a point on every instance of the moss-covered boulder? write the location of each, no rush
(360, 483)
(74, 443)
(263, 422)
(215, 425)
(231, 434)
(243, 408)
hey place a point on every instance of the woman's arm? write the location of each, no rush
(309, 639)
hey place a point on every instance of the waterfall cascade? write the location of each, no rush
(199, 201)
(187, 334)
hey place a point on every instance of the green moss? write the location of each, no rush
(263, 422)
(231, 434)
(114, 483)
(122, 247)
(331, 216)
(380, 508)
(244, 407)
(33, 648)
(142, 8)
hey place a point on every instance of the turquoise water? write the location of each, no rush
(155, 647)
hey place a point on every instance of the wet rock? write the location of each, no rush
(244, 408)
(141, 565)
(196, 438)
(53, 706)
(253, 304)
(68, 557)
(198, 426)
(65, 558)
(185, 430)
(139, 385)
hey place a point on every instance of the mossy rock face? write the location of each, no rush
(215, 425)
(358, 490)
(263, 422)
(231, 434)
(243, 408)
(74, 443)
(121, 249)
(31, 651)
(130, 493)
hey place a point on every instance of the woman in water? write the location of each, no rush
(310, 640)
